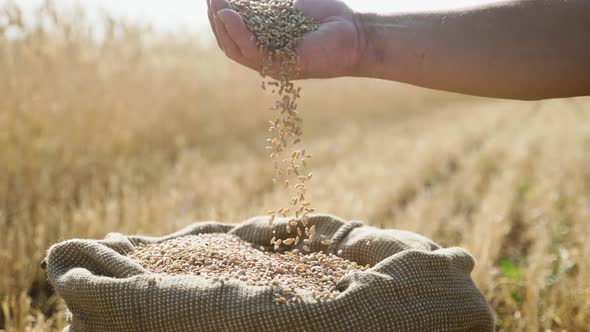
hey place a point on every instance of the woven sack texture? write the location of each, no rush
(412, 285)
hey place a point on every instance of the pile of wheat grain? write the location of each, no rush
(278, 27)
(226, 258)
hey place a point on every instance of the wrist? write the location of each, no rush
(386, 48)
(362, 63)
(373, 51)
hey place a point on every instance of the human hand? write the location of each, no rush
(333, 50)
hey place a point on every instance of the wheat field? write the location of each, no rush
(130, 130)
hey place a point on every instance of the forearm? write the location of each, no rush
(513, 49)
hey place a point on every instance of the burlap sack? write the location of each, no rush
(413, 285)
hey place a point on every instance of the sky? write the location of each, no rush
(173, 15)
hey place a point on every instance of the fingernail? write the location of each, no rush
(221, 15)
(220, 5)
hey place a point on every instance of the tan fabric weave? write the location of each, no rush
(413, 285)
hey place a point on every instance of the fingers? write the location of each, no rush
(243, 38)
(321, 10)
(223, 38)
(232, 35)
(212, 22)
(230, 48)
(214, 7)
(314, 9)
(217, 5)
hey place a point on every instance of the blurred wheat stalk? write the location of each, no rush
(125, 129)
